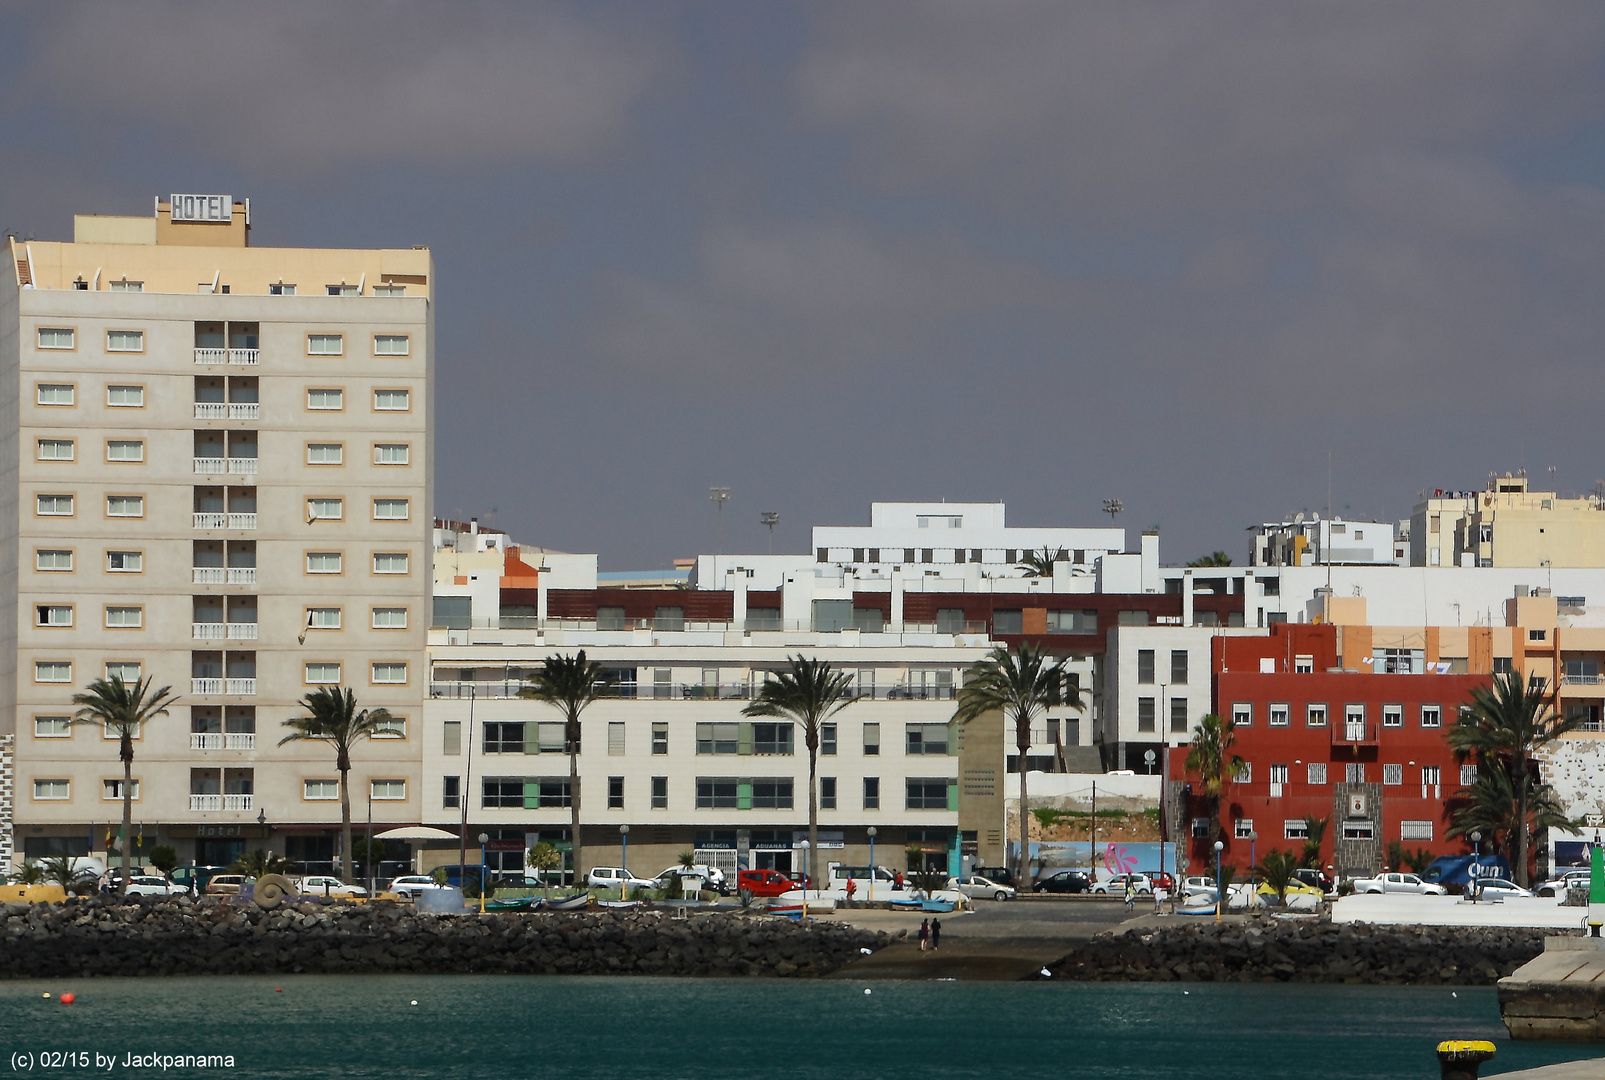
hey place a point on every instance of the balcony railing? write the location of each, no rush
(211, 356)
(208, 631)
(211, 410)
(216, 466)
(205, 802)
(222, 740)
(225, 521)
(222, 802)
(242, 631)
(228, 410)
(1582, 680)
(244, 410)
(248, 357)
(236, 687)
(508, 688)
(1349, 734)
(220, 575)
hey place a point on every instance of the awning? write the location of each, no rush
(415, 832)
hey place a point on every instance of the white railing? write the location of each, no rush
(211, 521)
(240, 686)
(244, 410)
(238, 802)
(210, 410)
(206, 686)
(242, 575)
(208, 575)
(211, 466)
(244, 356)
(1581, 680)
(242, 631)
(242, 466)
(205, 802)
(239, 740)
(207, 631)
(242, 521)
(211, 356)
(205, 740)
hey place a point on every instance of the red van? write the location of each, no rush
(764, 882)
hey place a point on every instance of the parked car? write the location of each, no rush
(413, 884)
(1315, 879)
(1116, 885)
(1498, 889)
(153, 886)
(1557, 885)
(1294, 888)
(712, 877)
(1161, 880)
(1393, 882)
(225, 884)
(195, 878)
(977, 887)
(1000, 874)
(1198, 884)
(328, 885)
(1063, 881)
(885, 880)
(613, 877)
(764, 882)
(1453, 871)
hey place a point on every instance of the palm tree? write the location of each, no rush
(1508, 722)
(1039, 563)
(808, 692)
(1490, 808)
(1214, 558)
(259, 864)
(332, 717)
(569, 683)
(1021, 685)
(1314, 835)
(1277, 869)
(1212, 759)
(122, 709)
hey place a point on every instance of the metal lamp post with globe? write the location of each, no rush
(1220, 886)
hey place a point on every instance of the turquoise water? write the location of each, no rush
(625, 1028)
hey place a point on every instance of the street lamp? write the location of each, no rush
(872, 830)
(805, 846)
(1253, 864)
(484, 838)
(1220, 886)
(624, 860)
(1476, 861)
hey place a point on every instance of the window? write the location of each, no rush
(391, 453)
(1431, 716)
(320, 789)
(1303, 665)
(53, 615)
(52, 727)
(52, 671)
(125, 397)
(872, 793)
(827, 793)
(54, 450)
(451, 792)
(1008, 621)
(391, 400)
(125, 341)
(52, 789)
(718, 738)
(1315, 715)
(1468, 775)
(55, 338)
(1503, 665)
(615, 739)
(1277, 716)
(1178, 715)
(325, 344)
(503, 738)
(387, 789)
(389, 672)
(281, 289)
(125, 562)
(391, 344)
(925, 738)
(343, 289)
(326, 453)
(323, 562)
(131, 506)
(1243, 714)
(451, 738)
(1315, 773)
(390, 290)
(390, 618)
(1535, 635)
(324, 509)
(1145, 665)
(125, 450)
(125, 286)
(125, 618)
(771, 738)
(390, 562)
(660, 793)
(328, 397)
(1392, 774)
(1178, 667)
(1245, 774)
(54, 393)
(53, 505)
(1393, 716)
(872, 740)
(393, 728)
(772, 793)
(501, 791)
(1145, 714)
(1354, 772)
(1242, 828)
(1358, 830)
(321, 673)
(390, 510)
(660, 739)
(926, 794)
(716, 793)
(1200, 828)
(615, 793)
(827, 740)
(1295, 829)
(1431, 777)
(52, 559)
(1415, 830)
(323, 618)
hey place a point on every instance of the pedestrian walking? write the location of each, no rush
(936, 934)
(852, 888)
(897, 882)
(925, 934)
(1131, 893)
(1160, 896)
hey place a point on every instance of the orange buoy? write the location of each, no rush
(278, 989)
(68, 999)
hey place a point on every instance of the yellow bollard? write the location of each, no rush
(1460, 1058)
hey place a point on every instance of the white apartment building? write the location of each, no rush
(217, 464)
(1312, 541)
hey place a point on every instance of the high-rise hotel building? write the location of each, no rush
(215, 469)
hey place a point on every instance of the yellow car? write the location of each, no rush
(1294, 888)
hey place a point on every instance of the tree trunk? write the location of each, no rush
(812, 869)
(574, 802)
(345, 825)
(1022, 743)
(1521, 820)
(128, 805)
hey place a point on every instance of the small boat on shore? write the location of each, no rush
(940, 906)
(516, 903)
(569, 903)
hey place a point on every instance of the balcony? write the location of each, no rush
(231, 687)
(245, 357)
(225, 521)
(201, 803)
(222, 740)
(216, 631)
(219, 575)
(244, 410)
(211, 357)
(211, 410)
(1352, 734)
(1582, 680)
(242, 631)
(216, 466)
(232, 410)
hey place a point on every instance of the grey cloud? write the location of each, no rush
(302, 87)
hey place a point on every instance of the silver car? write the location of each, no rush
(154, 886)
(980, 888)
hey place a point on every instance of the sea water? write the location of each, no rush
(396, 1027)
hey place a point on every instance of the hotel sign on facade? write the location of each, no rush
(203, 208)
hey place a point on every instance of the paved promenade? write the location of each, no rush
(1539, 911)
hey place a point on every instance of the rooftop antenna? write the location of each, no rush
(1113, 507)
(769, 519)
(720, 496)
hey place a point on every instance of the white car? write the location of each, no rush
(1557, 886)
(612, 877)
(1116, 886)
(980, 888)
(327, 885)
(1492, 888)
(413, 884)
(1397, 883)
(712, 875)
(154, 886)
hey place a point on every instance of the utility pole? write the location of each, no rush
(769, 519)
(719, 496)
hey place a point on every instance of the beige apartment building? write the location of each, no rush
(216, 465)
(1508, 525)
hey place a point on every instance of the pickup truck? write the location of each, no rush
(1397, 883)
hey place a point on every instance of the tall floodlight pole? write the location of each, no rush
(769, 519)
(1113, 507)
(719, 496)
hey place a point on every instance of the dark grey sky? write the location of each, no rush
(830, 253)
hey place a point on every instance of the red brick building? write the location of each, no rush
(1366, 750)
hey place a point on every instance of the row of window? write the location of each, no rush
(1298, 829)
(319, 508)
(133, 451)
(520, 737)
(132, 617)
(712, 793)
(312, 790)
(57, 560)
(58, 338)
(317, 673)
(1354, 772)
(319, 398)
(118, 395)
(1315, 715)
(1178, 667)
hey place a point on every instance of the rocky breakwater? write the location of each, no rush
(97, 936)
(1304, 951)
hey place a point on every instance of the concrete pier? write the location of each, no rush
(1559, 994)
